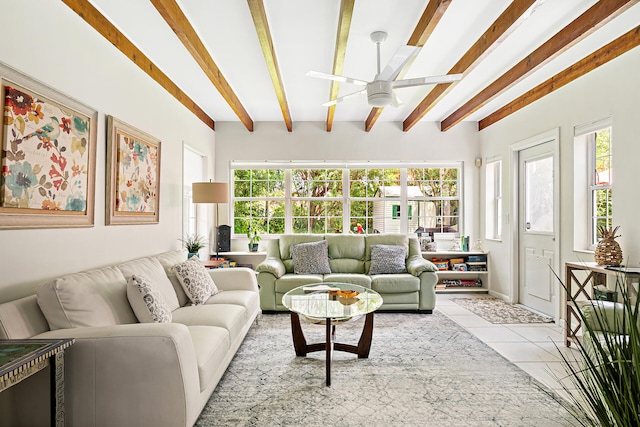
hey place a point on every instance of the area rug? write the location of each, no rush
(423, 370)
(495, 310)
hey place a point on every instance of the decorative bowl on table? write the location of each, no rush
(346, 293)
(348, 297)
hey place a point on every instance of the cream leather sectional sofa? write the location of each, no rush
(121, 372)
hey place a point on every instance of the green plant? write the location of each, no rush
(193, 242)
(253, 237)
(606, 374)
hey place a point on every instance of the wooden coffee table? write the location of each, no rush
(315, 303)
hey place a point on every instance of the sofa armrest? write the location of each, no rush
(272, 265)
(416, 264)
(234, 279)
(606, 316)
(134, 374)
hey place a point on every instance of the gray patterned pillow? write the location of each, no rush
(195, 280)
(311, 258)
(388, 259)
(147, 302)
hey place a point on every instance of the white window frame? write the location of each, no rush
(346, 199)
(493, 191)
(594, 188)
(585, 232)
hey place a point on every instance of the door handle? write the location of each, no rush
(527, 225)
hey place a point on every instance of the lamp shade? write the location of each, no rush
(210, 192)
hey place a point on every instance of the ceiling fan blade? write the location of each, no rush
(341, 79)
(395, 100)
(344, 98)
(447, 78)
(403, 55)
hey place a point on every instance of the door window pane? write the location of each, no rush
(539, 195)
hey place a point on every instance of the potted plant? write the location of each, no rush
(193, 243)
(604, 378)
(254, 238)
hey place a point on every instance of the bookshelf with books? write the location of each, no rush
(461, 271)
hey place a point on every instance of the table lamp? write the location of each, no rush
(211, 192)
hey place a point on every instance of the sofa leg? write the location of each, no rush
(425, 311)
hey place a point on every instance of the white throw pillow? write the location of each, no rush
(388, 259)
(151, 269)
(147, 302)
(195, 280)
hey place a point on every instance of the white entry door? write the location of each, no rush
(538, 287)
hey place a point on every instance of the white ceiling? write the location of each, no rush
(304, 32)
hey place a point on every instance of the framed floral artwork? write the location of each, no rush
(48, 156)
(133, 175)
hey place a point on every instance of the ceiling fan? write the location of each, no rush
(380, 91)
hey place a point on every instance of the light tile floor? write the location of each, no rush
(535, 348)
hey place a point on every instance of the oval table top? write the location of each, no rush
(322, 301)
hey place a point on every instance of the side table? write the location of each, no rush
(19, 359)
(596, 275)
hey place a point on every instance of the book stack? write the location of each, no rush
(477, 263)
(459, 283)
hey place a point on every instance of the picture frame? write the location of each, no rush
(48, 156)
(133, 175)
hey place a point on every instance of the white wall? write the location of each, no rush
(613, 89)
(349, 142)
(49, 42)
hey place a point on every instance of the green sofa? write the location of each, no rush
(349, 261)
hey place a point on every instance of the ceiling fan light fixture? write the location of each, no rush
(379, 93)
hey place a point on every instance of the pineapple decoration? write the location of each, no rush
(608, 251)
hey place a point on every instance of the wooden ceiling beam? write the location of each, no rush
(595, 17)
(173, 15)
(96, 20)
(589, 63)
(424, 28)
(497, 32)
(264, 35)
(344, 25)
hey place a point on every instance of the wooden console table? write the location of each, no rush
(596, 275)
(19, 359)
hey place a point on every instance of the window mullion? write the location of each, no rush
(404, 210)
(288, 210)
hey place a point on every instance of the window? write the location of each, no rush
(493, 215)
(396, 212)
(601, 204)
(373, 192)
(259, 200)
(344, 198)
(593, 182)
(316, 200)
(434, 193)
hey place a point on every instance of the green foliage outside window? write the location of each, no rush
(317, 202)
(601, 183)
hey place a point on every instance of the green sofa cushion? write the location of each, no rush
(290, 281)
(395, 283)
(354, 279)
(346, 246)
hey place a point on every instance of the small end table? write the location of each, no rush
(19, 359)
